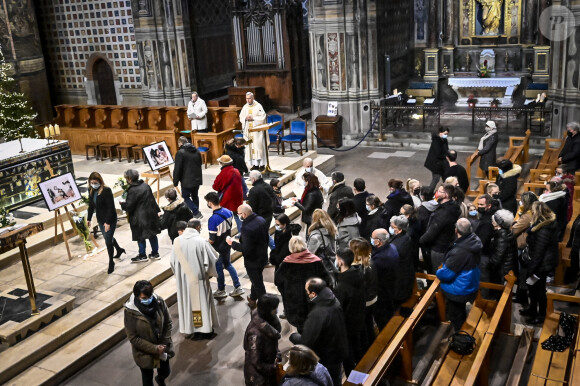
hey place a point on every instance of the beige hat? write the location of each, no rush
(225, 160)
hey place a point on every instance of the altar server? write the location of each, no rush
(197, 113)
(253, 115)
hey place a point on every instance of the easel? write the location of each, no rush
(58, 219)
(157, 175)
(268, 173)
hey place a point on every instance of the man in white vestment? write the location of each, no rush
(197, 113)
(308, 167)
(193, 263)
(253, 115)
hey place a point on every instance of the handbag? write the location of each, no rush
(525, 256)
(328, 264)
(462, 343)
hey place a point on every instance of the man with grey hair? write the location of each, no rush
(261, 197)
(197, 113)
(308, 167)
(253, 115)
(405, 277)
(460, 273)
(386, 260)
(570, 154)
(142, 211)
(187, 171)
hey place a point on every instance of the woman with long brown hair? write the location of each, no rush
(311, 198)
(102, 203)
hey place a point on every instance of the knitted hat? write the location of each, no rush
(225, 160)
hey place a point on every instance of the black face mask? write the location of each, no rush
(481, 210)
(570, 133)
(417, 191)
(496, 196)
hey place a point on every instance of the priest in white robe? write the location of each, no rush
(193, 263)
(197, 113)
(253, 115)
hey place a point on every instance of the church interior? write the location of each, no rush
(341, 81)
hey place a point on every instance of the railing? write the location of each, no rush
(533, 118)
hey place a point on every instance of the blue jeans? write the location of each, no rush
(154, 246)
(191, 199)
(271, 243)
(224, 262)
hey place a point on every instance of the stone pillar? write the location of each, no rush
(343, 43)
(433, 21)
(542, 40)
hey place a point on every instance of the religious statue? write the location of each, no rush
(491, 16)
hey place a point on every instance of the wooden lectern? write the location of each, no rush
(268, 173)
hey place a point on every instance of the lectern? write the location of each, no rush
(268, 173)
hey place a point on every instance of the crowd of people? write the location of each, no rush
(346, 270)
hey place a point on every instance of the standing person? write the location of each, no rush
(219, 226)
(519, 229)
(278, 208)
(414, 189)
(507, 182)
(310, 200)
(325, 329)
(236, 150)
(337, 192)
(228, 184)
(543, 252)
(460, 274)
(556, 197)
(253, 115)
(487, 147)
(148, 327)
(485, 232)
(348, 223)
(174, 212)
(253, 243)
(360, 200)
(385, 258)
(187, 171)
(197, 113)
(193, 263)
(453, 169)
(413, 232)
(570, 154)
(261, 343)
(284, 232)
(374, 218)
(304, 369)
(405, 278)
(300, 182)
(436, 156)
(261, 197)
(322, 235)
(504, 247)
(395, 200)
(102, 203)
(291, 276)
(142, 211)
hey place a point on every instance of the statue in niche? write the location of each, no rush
(491, 16)
(321, 63)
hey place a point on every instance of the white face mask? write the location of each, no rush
(521, 203)
(391, 230)
(278, 228)
(95, 186)
(308, 170)
(444, 136)
(368, 208)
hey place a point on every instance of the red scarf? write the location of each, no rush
(306, 190)
(303, 257)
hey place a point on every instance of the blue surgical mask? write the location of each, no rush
(95, 186)
(368, 208)
(373, 242)
(500, 172)
(391, 230)
(147, 301)
(473, 213)
(278, 228)
(336, 264)
(444, 136)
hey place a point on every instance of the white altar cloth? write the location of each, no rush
(484, 82)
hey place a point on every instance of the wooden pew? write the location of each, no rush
(553, 148)
(551, 368)
(484, 320)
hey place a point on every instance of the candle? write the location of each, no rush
(46, 132)
(57, 129)
(51, 130)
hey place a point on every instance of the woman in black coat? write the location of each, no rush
(284, 232)
(142, 211)
(543, 253)
(556, 196)
(507, 182)
(395, 200)
(487, 146)
(435, 160)
(101, 201)
(504, 247)
(374, 217)
(176, 211)
(311, 198)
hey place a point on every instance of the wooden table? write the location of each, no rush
(17, 238)
(216, 139)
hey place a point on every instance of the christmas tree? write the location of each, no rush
(16, 115)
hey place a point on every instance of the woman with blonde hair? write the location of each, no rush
(519, 229)
(322, 235)
(414, 189)
(304, 369)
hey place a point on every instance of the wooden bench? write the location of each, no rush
(552, 368)
(94, 146)
(549, 159)
(484, 320)
(108, 150)
(124, 149)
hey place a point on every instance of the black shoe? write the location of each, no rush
(155, 256)
(528, 312)
(535, 320)
(198, 216)
(120, 251)
(255, 167)
(160, 381)
(262, 168)
(111, 267)
(140, 259)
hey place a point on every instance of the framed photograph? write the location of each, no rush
(59, 191)
(158, 155)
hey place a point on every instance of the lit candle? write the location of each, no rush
(46, 132)
(57, 129)
(51, 130)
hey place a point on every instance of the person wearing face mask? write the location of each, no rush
(148, 327)
(310, 200)
(102, 203)
(308, 167)
(337, 192)
(405, 271)
(460, 273)
(176, 211)
(493, 190)
(414, 189)
(374, 217)
(472, 215)
(435, 160)
(556, 197)
(294, 271)
(395, 200)
(484, 229)
(519, 229)
(385, 259)
(453, 169)
(413, 231)
(360, 198)
(440, 229)
(570, 154)
(507, 182)
(284, 232)
(487, 147)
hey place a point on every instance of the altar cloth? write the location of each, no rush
(484, 82)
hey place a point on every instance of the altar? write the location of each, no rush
(485, 90)
(20, 173)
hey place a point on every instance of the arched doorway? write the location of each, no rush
(104, 83)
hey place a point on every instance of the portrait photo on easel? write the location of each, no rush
(158, 155)
(59, 191)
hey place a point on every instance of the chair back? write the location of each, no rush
(298, 126)
(275, 116)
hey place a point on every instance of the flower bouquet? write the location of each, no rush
(483, 71)
(122, 183)
(6, 218)
(81, 226)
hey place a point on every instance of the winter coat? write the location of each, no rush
(485, 231)
(460, 273)
(373, 221)
(238, 156)
(325, 330)
(312, 200)
(371, 285)
(435, 160)
(348, 229)
(386, 261)
(290, 279)
(440, 231)
(460, 173)
(424, 213)
(558, 202)
(253, 242)
(142, 337)
(187, 167)
(350, 292)
(504, 254)
(520, 227)
(261, 199)
(508, 188)
(337, 192)
(319, 239)
(142, 211)
(105, 207)
(172, 213)
(228, 183)
(282, 249)
(571, 152)
(395, 202)
(261, 347)
(543, 247)
(319, 377)
(405, 272)
(488, 153)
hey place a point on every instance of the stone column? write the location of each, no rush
(433, 21)
(542, 40)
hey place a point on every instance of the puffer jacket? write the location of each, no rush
(460, 273)
(172, 213)
(348, 229)
(261, 347)
(508, 187)
(142, 210)
(504, 253)
(543, 246)
(394, 202)
(440, 231)
(143, 339)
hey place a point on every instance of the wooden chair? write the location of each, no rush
(298, 129)
(94, 146)
(276, 132)
(204, 147)
(108, 150)
(126, 149)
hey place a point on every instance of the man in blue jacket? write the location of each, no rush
(460, 273)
